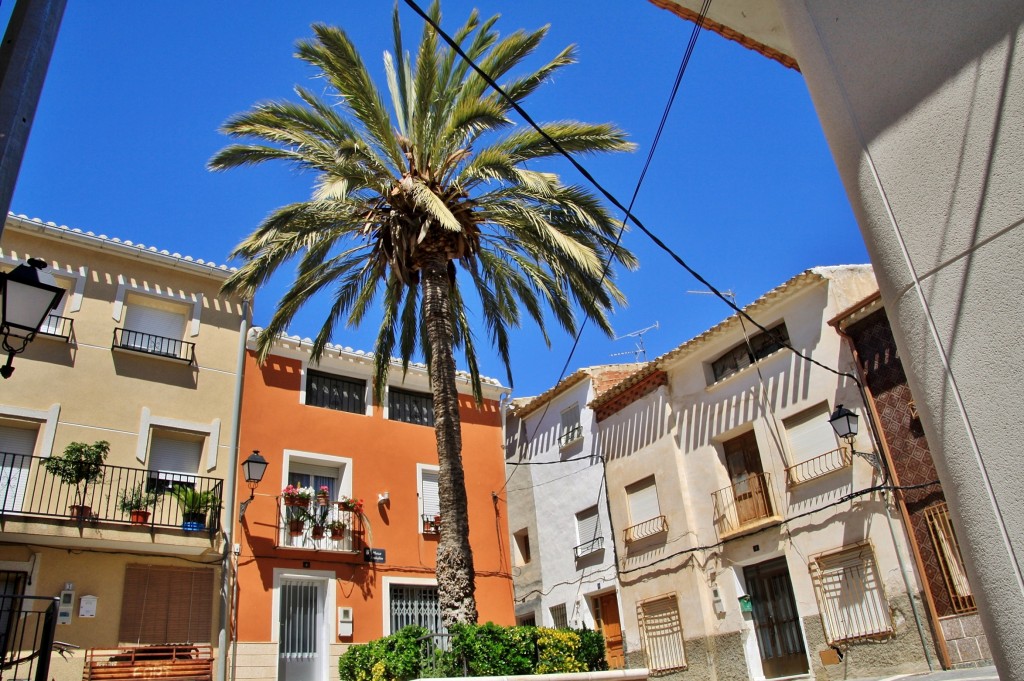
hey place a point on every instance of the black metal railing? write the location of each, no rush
(57, 327)
(589, 547)
(28, 489)
(151, 344)
(317, 527)
(436, 661)
(27, 624)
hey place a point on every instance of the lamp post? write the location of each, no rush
(254, 468)
(844, 422)
(27, 295)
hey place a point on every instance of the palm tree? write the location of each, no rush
(413, 206)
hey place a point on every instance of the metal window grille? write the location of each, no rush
(559, 619)
(740, 357)
(335, 392)
(301, 616)
(850, 596)
(416, 605)
(952, 563)
(661, 631)
(410, 407)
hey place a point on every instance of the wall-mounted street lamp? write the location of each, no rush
(253, 467)
(844, 422)
(27, 295)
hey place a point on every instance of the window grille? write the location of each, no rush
(301, 619)
(850, 596)
(661, 631)
(947, 548)
(416, 605)
(410, 407)
(335, 392)
(740, 357)
(559, 620)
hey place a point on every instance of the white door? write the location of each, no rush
(302, 649)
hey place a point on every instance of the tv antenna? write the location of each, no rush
(640, 353)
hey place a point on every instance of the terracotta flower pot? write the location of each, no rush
(81, 512)
(139, 517)
(322, 499)
(317, 532)
(296, 527)
(337, 533)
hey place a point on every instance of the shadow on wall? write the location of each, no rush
(645, 424)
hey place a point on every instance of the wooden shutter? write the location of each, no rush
(164, 604)
(810, 433)
(643, 501)
(430, 502)
(16, 448)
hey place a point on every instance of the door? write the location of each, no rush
(606, 613)
(744, 463)
(302, 645)
(776, 622)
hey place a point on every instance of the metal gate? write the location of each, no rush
(776, 621)
(416, 605)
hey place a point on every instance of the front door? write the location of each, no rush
(776, 622)
(744, 463)
(302, 646)
(606, 613)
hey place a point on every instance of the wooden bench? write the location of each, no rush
(173, 662)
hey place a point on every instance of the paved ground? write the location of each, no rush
(979, 674)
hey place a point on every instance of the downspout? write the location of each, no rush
(886, 460)
(227, 557)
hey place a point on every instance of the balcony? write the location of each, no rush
(589, 547)
(431, 524)
(570, 436)
(744, 505)
(28, 491)
(56, 326)
(647, 528)
(318, 528)
(151, 344)
(826, 463)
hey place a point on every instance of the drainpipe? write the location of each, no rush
(885, 461)
(227, 562)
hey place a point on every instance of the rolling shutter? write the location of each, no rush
(810, 433)
(643, 501)
(16, 448)
(156, 322)
(171, 455)
(587, 525)
(429, 499)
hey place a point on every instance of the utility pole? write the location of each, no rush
(24, 59)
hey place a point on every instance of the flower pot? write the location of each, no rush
(81, 512)
(193, 522)
(322, 500)
(139, 517)
(337, 533)
(296, 527)
(317, 532)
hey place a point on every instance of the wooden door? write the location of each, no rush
(776, 621)
(743, 460)
(606, 612)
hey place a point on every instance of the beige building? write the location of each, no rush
(143, 353)
(750, 541)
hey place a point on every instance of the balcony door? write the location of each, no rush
(743, 460)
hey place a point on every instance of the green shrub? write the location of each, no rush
(557, 651)
(491, 650)
(591, 651)
(392, 658)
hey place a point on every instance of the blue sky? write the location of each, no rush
(743, 185)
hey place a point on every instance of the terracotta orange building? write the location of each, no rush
(316, 575)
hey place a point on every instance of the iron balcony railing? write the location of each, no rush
(151, 344)
(28, 489)
(316, 527)
(826, 463)
(647, 528)
(588, 547)
(745, 502)
(27, 625)
(570, 436)
(57, 327)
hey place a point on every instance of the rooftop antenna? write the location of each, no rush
(727, 293)
(640, 353)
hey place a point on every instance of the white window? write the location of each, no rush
(588, 532)
(644, 510)
(521, 547)
(410, 407)
(17, 444)
(174, 457)
(813, 448)
(850, 595)
(155, 327)
(559, 620)
(661, 630)
(55, 323)
(317, 471)
(571, 431)
(430, 500)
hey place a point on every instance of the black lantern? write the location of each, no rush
(254, 467)
(27, 296)
(844, 422)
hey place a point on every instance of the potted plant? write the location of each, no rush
(80, 465)
(350, 504)
(337, 529)
(136, 503)
(318, 518)
(194, 506)
(323, 495)
(297, 496)
(297, 524)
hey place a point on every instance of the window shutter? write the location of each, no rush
(155, 321)
(166, 604)
(429, 499)
(643, 501)
(587, 525)
(16, 448)
(174, 455)
(810, 434)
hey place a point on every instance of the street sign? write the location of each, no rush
(373, 555)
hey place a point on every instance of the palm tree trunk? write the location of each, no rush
(455, 574)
